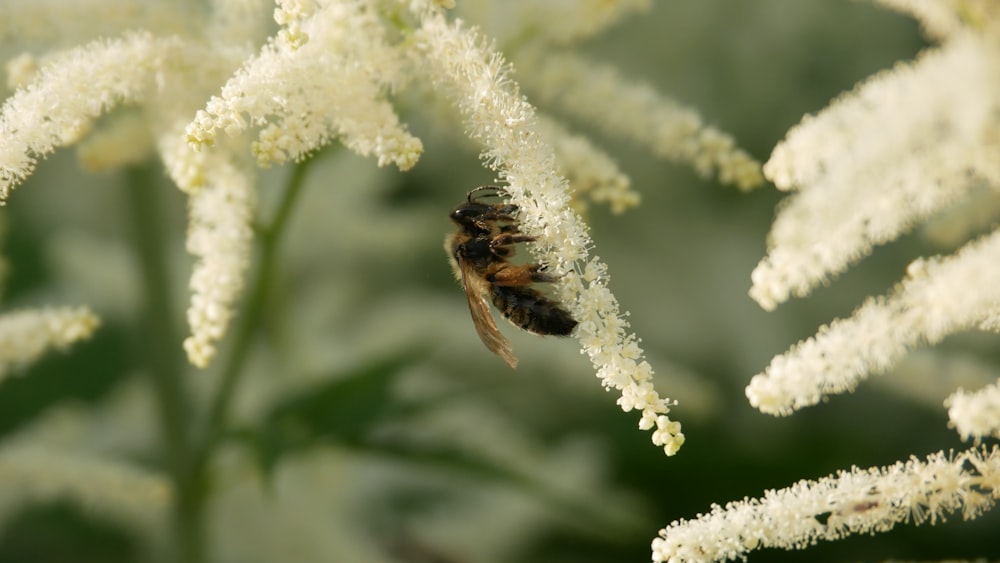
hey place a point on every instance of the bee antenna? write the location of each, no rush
(497, 189)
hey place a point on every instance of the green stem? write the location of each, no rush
(256, 303)
(161, 347)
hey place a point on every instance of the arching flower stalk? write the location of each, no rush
(502, 120)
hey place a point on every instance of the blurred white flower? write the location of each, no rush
(26, 335)
(905, 144)
(975, 414)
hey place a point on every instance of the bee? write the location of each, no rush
(479, 253)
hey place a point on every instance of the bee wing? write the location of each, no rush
(481, 318)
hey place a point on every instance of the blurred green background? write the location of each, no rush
(366, 335)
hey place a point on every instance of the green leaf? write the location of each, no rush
(581, 510)
(340, 409)
(86, 371)
(352, 410)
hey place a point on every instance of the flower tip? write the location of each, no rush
(199, 353)
(674, 445)
(764, 291)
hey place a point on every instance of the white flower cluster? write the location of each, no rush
(924, 152)
(904, 145)
(336, 57)
(163, 75)
(220, 235)
(590, 171)
(497, 116)
(329, 74)
(57, 108)
(581, 88)
(26, 335)
(923, 308)
(936, 144)
(975, 414)
(858, 501)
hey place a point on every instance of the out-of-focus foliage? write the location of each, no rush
(371, 425)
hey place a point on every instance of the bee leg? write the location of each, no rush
(502, 245)
(509, 275)
(509, 238)
(486, 219)
(502, 252)
(539, 274)
(500, 213)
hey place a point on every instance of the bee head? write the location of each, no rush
(469, 213)
(479, 217)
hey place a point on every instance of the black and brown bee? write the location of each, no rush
(479, 253)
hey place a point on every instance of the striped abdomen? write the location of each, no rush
(531, 311)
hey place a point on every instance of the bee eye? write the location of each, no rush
(465, 213)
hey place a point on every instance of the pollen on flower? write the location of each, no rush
(271, 147)
(201, 131)
(288, 15)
